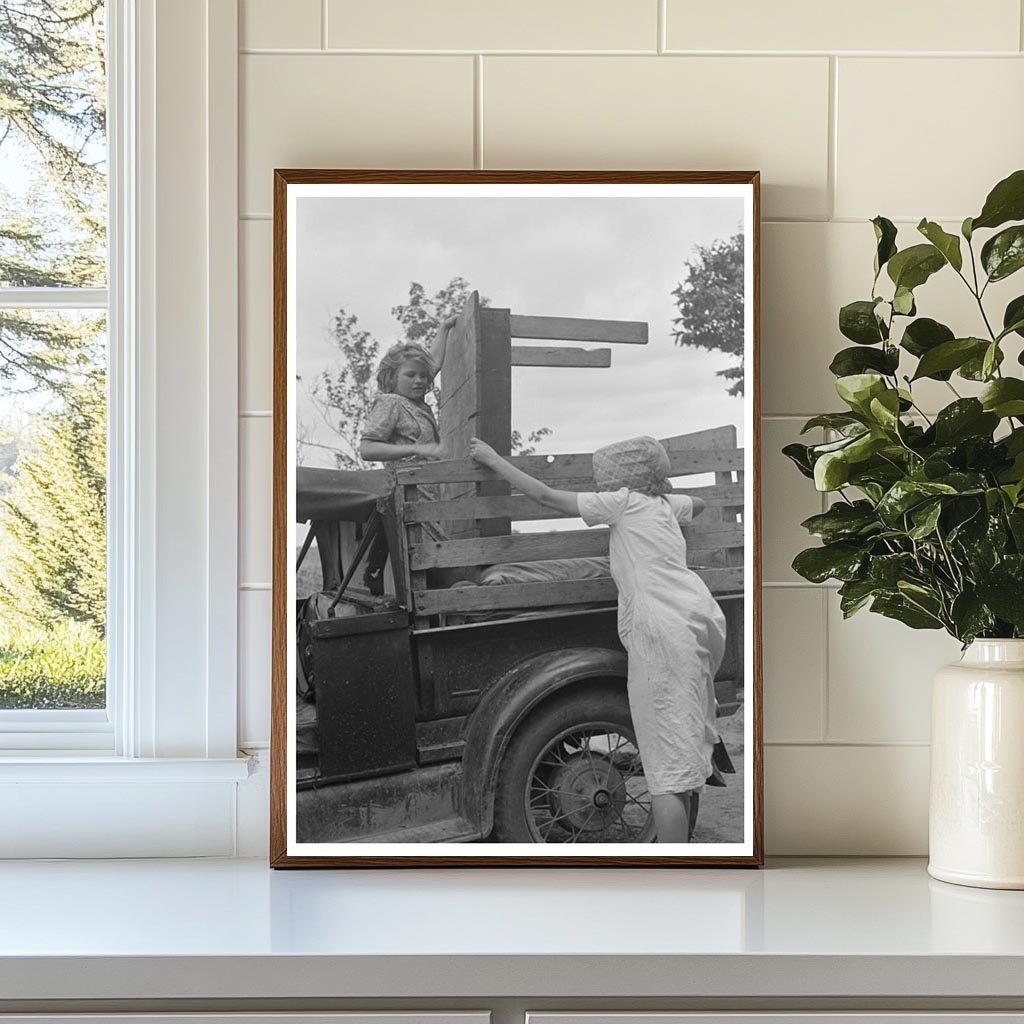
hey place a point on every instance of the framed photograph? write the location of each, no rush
(516, 557)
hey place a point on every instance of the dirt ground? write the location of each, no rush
(721, 810)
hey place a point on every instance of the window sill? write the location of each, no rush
(80, 767)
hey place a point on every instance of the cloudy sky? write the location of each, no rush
(614, 258)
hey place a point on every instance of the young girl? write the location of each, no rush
(401, 426)
(670, 625)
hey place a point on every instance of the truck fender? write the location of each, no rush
(508, 702)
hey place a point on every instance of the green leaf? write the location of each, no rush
(912, 267)
(857, 321)
(840, 421)
(885, 409)
(1004, 397)
(923, 335)
(1005, 202)
(885, 571)
(1013, 317)
(843, 521)
(990, 360)
(850, 361)
(903, 302)
(965, 229)
(799, 455)
(947, 244)
(904, 495)
(970, 617)
(858, 389)
(1005, 596)
(831, 471)
(974, 368)
(1003, 254)
(925, 518)
(950, 355)
(840, 561)
(854, 594)
(897, 607)
(885, 237)
(966, 417)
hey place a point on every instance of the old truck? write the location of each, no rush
(484, 696)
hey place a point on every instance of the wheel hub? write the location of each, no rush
(587, 793)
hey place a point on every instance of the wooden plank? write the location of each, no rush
(541, 355)
(494, 414)
(520, 507)
(566, 328)
(539, 547)
(517, 547)
(540, 595)
(563, 468)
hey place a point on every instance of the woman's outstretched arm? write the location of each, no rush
(563, 501)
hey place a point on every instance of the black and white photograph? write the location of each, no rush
(515, 509)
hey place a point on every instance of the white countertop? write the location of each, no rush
(234, 929)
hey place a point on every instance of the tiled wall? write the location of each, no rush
(909, 109)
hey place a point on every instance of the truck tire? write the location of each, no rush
(572, 774)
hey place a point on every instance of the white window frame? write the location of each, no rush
(169, 734)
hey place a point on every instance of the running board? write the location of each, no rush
(451, 830)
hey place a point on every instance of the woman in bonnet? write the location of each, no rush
(671, 627)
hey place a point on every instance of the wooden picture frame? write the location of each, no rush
(422, 700)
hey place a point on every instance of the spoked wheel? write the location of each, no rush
(573, 774)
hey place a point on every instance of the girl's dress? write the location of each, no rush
(673, 631)
(395, 419)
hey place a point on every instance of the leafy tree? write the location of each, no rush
(52, 121)
(53, 521)
(341, 396)
(710, 303)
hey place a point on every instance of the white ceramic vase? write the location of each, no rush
(976, 813)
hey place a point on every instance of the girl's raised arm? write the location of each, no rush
(562, 501)
(439, 345)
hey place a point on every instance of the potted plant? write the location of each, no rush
(927, 521)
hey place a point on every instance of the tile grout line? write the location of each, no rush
(258, 51)
(832, 147)
(1020, 25)
(662, 27)
(478, 111)
(323, 24)
(823, 682)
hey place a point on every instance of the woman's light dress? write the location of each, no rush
(673, 631)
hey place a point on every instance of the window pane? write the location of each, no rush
(52, 509)
(53, 147)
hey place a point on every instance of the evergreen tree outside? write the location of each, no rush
(710, 304)
(52, 365)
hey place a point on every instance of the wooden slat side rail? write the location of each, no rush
(566, 467)
(555, 544)
(566, 328)
(520, 507)
(540, 355)
(539, 595)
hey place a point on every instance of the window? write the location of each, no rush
(53, 373)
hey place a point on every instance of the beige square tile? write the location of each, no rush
(271, 24)
(254, 615)
(880, 676)
(802, 25)
(809, 271)
(255, 510)
(357, 111)
(787, 498)
(255, 318)
(492, 25)
(966, 132)
(793, 632)
(691, 113)
(846, 801)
